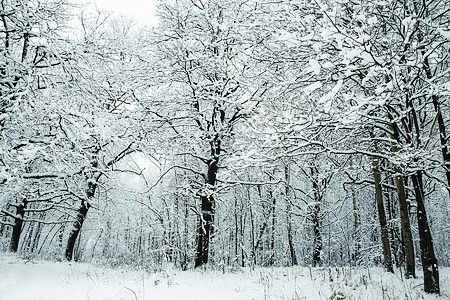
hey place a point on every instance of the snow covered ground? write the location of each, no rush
(33, 280)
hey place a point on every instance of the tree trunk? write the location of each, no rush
(204, 231)
(393, 232)
(404, 215)
(37, 236)
(356, 234)
(81, 216)
(17, 228)
(290, 238)
(207, 206)
(316, 259)
(429, 261)
(315, 216)
(243, 218)
(252, 233)
(236, 229)
(272, 231)
(186, 245)
(289, 215)
(441, 125)
(443, 139)
(406, 225)
(382, 214)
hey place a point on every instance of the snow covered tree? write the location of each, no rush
(384, 49)
(32, 58)
(201, 67)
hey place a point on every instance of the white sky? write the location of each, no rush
(143, 11)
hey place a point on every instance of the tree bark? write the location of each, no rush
(404, 215)
(356, 235)
(92, 183)
(272, 230)
(78, 223)
(207, 207)
(315, 215)
(405, 224)
(289, 215)
(186, 244)
(252, 233)
(429, 261)
(382, 214)
(81, 215)
(442, 133)
(443, 140)
(17, 228)
(290, 239)
(204, 231)
(316, 259)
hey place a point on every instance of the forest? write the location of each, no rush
(233, 134)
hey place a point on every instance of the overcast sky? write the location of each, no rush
(141, 10)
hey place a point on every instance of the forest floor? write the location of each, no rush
(34, 279)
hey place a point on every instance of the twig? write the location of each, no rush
(135, 296)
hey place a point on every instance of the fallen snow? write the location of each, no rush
(33, 280)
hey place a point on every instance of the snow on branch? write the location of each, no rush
(49, 222)
(176, 167)
(251, 183)
(9, 214)
(40, 175)
(6, 223)
(125, 152)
